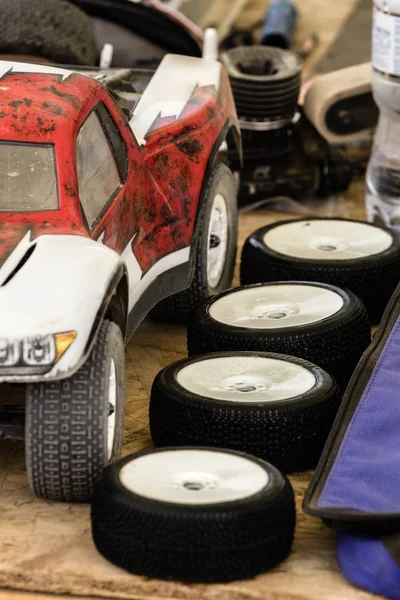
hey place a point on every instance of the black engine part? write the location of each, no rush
(284, 155)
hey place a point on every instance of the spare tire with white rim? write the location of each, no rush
(193, 514)
(320, 323)
(278, 408)
(352, 254)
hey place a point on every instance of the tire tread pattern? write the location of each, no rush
(65, 429)
(290, 437)
(53, 29)
(374, 283)
(337, 349)
(195, 546)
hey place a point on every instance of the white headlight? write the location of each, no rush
(9, 353)
(39, 350)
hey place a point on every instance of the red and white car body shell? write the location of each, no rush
(69, 248)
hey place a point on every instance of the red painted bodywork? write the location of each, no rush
(160, 198)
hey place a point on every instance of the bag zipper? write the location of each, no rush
(351, 398)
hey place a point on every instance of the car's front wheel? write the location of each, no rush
(74, 427)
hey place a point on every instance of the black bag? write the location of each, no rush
(141, 33)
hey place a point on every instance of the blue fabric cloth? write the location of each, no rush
(366, 563)
(365, 475)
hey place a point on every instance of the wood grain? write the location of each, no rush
(46, 547)
(10, 595)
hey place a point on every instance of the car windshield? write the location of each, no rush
(28, 180)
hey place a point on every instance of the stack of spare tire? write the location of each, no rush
(255, 400)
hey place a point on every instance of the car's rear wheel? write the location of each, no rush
(74, 427)
(216, 247)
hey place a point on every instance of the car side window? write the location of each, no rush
(98, 174)
(116, 141)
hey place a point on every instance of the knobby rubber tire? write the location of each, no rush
(52, 29)
(336, 344)
(288, 434)
(373, 278)
(66, 424)
(193, 543)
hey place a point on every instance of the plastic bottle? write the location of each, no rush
(383, 173)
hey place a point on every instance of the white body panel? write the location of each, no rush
(164, 264)
(15, 257)
(139, 283)
(59, 289)
(170, 89)
(63, 284)
(21, 67)
(62, 287)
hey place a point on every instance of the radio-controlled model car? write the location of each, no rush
(115, 197)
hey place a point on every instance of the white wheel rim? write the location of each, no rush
(327, 240)
(276, 306)
(217, 241)
(193, 476)
(240, 378)
(112, 402)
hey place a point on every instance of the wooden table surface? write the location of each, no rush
(46, 548)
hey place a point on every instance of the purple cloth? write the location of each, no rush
(365, 475)
(365, 562)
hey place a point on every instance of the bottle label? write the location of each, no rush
(382, 213)
(386, 42)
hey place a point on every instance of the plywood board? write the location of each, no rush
(47, 547)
